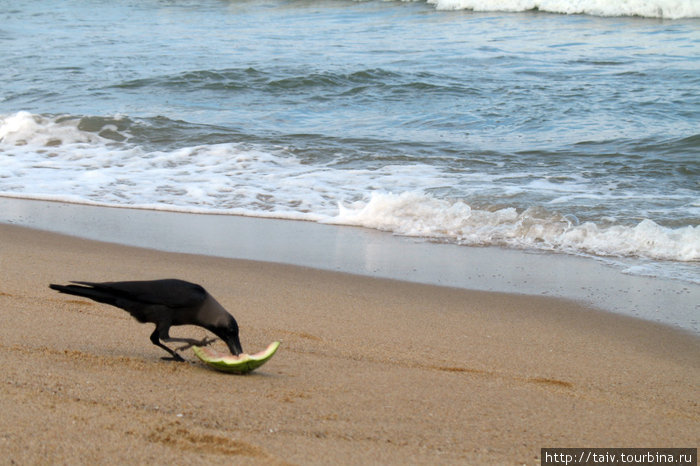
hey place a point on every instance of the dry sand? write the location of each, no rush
(370, 371)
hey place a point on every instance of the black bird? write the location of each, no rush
(165, 303)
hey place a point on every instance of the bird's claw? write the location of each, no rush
(205, 342)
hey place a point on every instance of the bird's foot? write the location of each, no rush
(205, 342)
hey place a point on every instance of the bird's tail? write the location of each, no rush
(95, 294)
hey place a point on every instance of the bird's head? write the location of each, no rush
(229, 334)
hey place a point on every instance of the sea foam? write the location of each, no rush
(56, 158)
(422, 215)
(24, 128)
(669, 9)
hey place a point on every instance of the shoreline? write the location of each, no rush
(371, 253)
(370, 370)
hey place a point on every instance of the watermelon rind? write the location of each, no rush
(237, 364)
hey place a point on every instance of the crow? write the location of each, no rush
(165, 303)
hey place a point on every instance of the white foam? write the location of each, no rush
(24, 128)
(49, 158)
(670, 9)
(53, 159)
(418, 214)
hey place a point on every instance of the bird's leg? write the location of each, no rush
(156, 341)
(190, 342)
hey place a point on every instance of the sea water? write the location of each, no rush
(547, 125)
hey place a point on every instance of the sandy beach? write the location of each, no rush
(370, 371)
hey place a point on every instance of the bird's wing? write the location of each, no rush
(169, 292)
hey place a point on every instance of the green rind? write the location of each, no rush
(240, 366)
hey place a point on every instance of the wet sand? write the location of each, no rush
(372, 253)
(370, 371)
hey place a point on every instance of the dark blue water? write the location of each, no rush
(571, 133)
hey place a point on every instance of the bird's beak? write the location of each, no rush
(234, 345)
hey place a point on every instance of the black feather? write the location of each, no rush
(166, 303)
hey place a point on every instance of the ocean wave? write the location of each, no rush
(667, 9)
(27, 129)
(103, 161)
(422, 215)
(319, 85)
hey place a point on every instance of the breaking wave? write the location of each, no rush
(92, 160)
(668, 9)
(421, 215)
